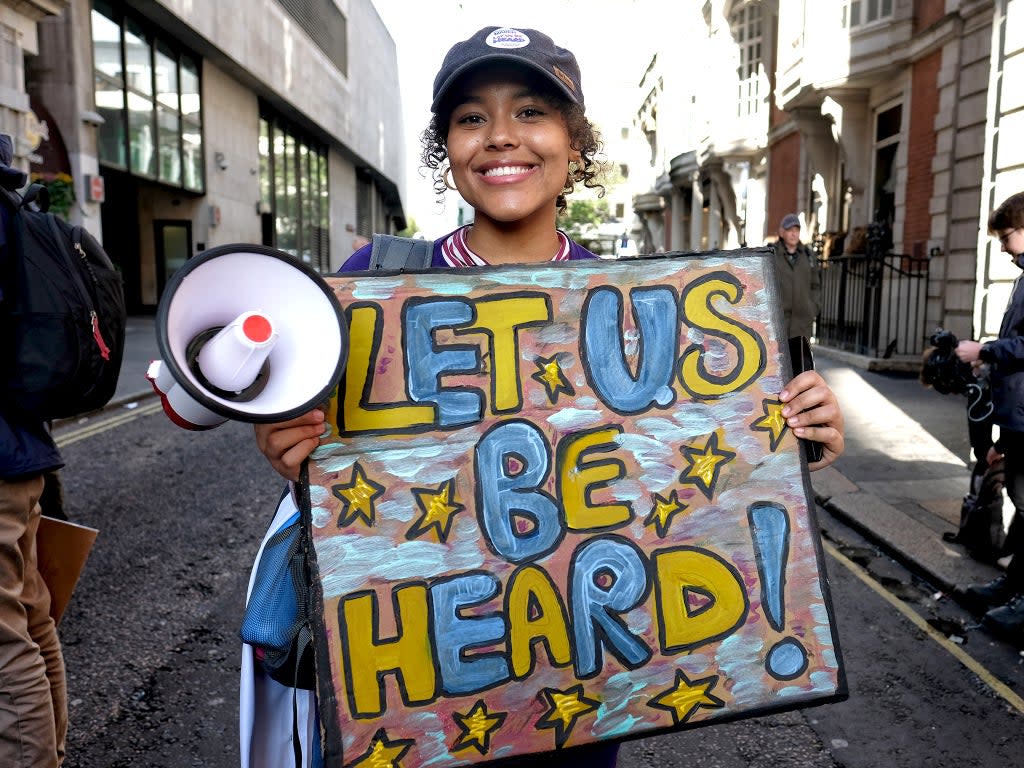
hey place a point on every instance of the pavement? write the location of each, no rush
(900, 482)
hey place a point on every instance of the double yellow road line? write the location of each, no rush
(1002, 690)
(103, 424)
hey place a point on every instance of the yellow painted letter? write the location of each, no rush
(366, 655)
(500, 319)
(749, 350)
(700, 598)
(577, 477)
(363, 345)
(535, 611)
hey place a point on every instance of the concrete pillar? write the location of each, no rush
(855, 142)
(696, 212)
(819, 142)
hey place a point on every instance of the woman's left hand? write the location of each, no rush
(812, 412)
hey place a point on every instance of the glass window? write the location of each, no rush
(282, 199)
(264, 150)
(745, 23)
(110, 105)
(109, 85)
(148, 93)
(857, 12)
(192, 153)
(169, 140)
(190, 97)
(293, 181)
(325, 215)
(166, 72)
(888, 123)
(140, 135)
(137, 55)
(106, 42)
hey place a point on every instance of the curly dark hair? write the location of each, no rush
(583, 137)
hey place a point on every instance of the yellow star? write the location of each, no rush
(566, 707)
(357, 498)
(663, 512)
(705, 464)
(438, 507)
(383, 753)
(477, 727)
(551, 376)
(772, 422)
(686, 696)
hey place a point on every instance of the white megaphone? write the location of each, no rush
(246, 333)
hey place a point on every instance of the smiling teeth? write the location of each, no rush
(506, 170)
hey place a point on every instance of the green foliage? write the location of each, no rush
(582, 216)
(62, 192)
(411, 228)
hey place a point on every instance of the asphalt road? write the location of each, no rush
(152, 652)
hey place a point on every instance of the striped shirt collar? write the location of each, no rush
(457, 253)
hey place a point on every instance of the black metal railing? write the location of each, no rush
(873, 304)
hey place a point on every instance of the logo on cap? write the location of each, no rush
(565, 79)
(506, 37)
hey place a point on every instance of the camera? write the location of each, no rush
(942, 370)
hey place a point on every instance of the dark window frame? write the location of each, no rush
(121, 16)
(307, 202)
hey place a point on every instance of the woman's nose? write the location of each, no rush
(502, 133)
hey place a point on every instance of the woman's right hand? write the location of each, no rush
(286, 444)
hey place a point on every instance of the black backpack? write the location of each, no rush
(62, 320)
(981, 517)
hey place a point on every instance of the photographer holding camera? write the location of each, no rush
(981, 514)
(1004, 597)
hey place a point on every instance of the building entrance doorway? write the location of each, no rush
(173, 239)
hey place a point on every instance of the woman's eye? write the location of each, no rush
(531, 112)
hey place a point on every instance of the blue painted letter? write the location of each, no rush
(512, 462)
(656, 315)
(425, 362)
(454, 635)
(607, 576)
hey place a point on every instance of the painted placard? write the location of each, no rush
(560, 504)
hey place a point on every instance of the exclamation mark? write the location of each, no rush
(769, 529)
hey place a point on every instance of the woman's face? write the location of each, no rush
(508, 147)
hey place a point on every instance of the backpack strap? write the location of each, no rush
(38, 194)
(400, 253)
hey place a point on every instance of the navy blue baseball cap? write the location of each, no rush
(528, 47)
(789, 221)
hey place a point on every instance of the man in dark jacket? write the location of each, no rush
(33, 694)
(799, 279)
(1005, 358)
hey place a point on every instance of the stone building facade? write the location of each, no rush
(900, 115)
(180, 125)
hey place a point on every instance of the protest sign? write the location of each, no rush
(560, 504)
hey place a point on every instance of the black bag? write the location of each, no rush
(981, 529)
(62, 321)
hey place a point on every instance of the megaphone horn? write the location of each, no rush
(246, 333)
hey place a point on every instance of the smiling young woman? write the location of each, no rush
(509, 152)
(509, 131)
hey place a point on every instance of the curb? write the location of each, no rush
(901, 537)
